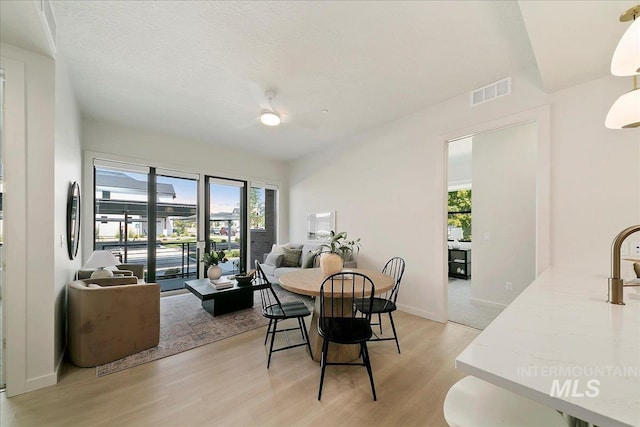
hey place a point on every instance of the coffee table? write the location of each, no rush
(222, 301)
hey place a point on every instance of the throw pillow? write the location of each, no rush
(307, 259)
(291, 257)
(277, 249)
(274, 259)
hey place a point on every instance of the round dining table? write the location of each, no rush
(307, 281)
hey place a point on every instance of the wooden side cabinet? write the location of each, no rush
(460, 263)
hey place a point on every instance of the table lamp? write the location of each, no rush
(100, 260)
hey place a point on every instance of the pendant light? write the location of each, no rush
(625, 112)
(626, 58)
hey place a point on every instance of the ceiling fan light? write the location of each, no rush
(626, 58)
(269, 118)
(625, 112)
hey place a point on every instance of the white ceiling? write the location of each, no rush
(199, 69)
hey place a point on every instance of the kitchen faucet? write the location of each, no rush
(615, 281)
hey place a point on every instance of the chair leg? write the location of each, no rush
(305, 335)
(367, 363)
(395, 335)
(268, 329)
(273, 335)
(323, 362)
(380, 322)
(301, 326)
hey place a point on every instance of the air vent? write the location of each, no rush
(491, 92)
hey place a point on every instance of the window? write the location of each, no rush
(257, 208)
(459, 212)
(262, 219)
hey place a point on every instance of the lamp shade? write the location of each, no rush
(101, 259)
(270, 118)
(625, 112)
(626, 58)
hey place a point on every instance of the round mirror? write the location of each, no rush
(73, 220)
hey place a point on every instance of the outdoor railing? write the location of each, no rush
(173, 259)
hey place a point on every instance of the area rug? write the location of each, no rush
(185, 325)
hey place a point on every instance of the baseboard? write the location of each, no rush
(59, 365)
(47, 380)
(488, 303)
(41, 381)
(420, 313)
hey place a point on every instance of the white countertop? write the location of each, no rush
(562, 323)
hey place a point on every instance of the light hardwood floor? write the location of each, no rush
(226, 383)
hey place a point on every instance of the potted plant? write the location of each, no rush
(211, 260)
(339, 247)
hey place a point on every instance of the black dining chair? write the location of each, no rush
(275, 310)
(386, 303)
(341, 323)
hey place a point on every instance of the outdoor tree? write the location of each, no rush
(460, 211)
(256, 202)
(179, 227)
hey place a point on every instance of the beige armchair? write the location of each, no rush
(111, 318)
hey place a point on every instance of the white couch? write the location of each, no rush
(273, 272)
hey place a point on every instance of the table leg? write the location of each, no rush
(337, 352)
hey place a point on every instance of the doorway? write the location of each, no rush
(462, 307)
(227, 222)
(492, 187)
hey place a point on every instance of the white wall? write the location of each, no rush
(68, 168)
(388, 184)
(504, 209)
(595, 176)
(113, 141)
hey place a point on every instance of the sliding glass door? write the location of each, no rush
(177, 228)
(227, 221)
(148, 216)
